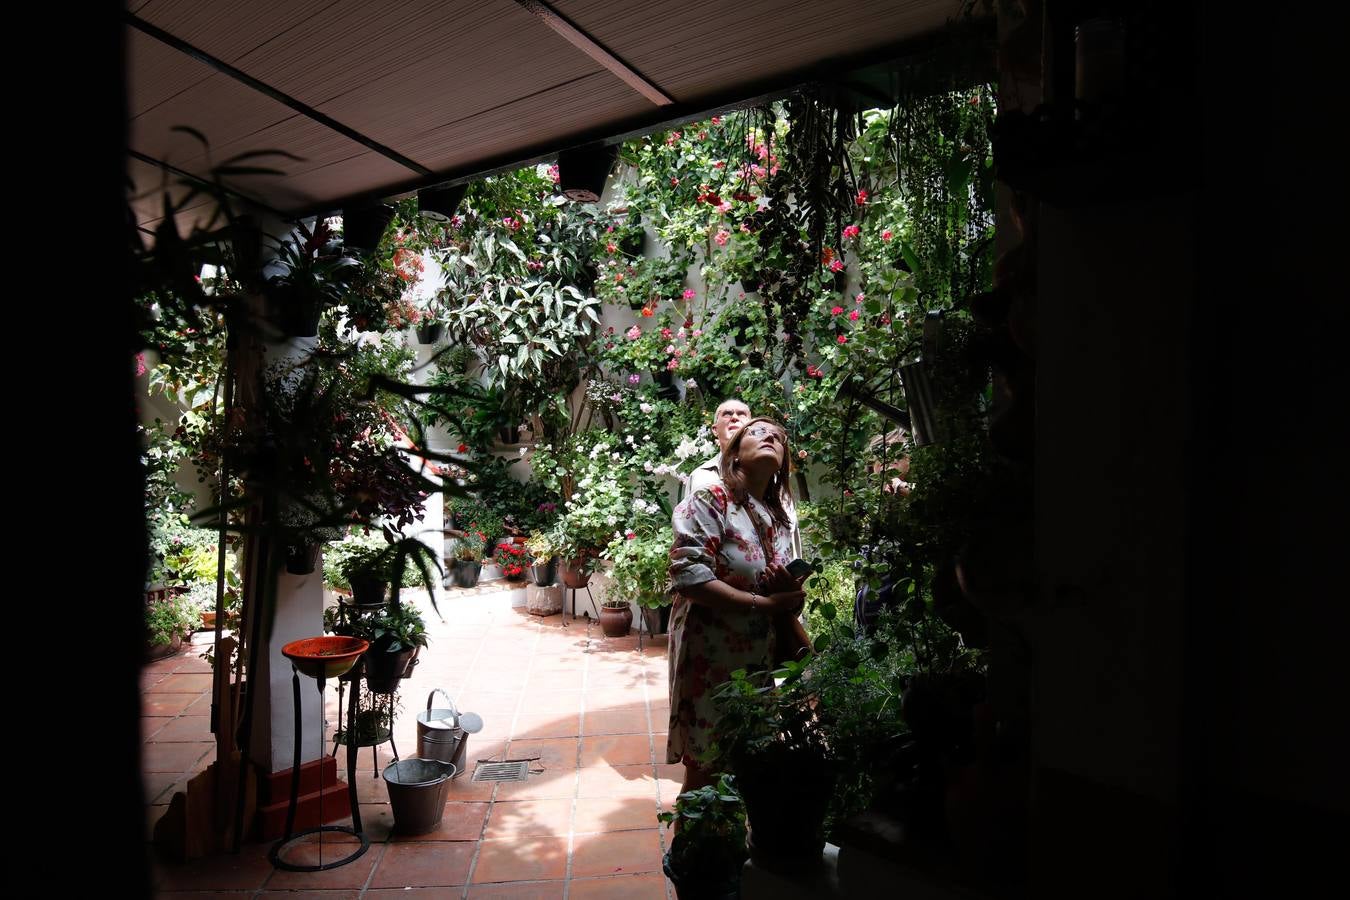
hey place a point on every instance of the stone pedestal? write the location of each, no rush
(544, 601)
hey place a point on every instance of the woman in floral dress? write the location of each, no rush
(732, 540)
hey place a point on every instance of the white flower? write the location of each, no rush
(576, 496)
(689, 382)
(524, 450)
(613, 520)
(647, 466)
(616, 456)
(646, 408)
(646, 439)
(686, 449)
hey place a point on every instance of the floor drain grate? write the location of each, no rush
(515, 770)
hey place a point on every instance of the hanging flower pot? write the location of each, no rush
(302, 558)
(574, 573)
(429, 334)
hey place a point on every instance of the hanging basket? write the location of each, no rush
(429, 334)
(301, 559)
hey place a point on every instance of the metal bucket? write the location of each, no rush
(440, 733)
(417, 793)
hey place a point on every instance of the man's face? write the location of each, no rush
(731, 415)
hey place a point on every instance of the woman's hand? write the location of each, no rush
(782, 602)
(776, 578)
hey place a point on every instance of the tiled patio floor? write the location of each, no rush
(593, 709)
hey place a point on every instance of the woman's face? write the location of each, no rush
(763, 444)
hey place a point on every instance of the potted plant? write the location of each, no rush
(398, 633)
(512, 558)
(368, 569)
(543, 558)
(707, 853)
(168, 619)
(616, 616)
(641, 558)
(466, 559)
(771, 736)
(311, 280)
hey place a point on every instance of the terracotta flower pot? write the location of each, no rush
(615, 621)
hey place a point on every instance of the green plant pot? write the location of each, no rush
(368, 591)
(384, 670)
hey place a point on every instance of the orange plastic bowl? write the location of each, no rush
(325, 657)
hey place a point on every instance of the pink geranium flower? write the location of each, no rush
(836, 310)
(633, 333)
(689, 294)
(886, 235)
(851, 231)
(853, 315)
(722, 237)
(842, 339)
(837, 265)
(862, 198)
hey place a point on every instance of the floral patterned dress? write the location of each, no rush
(716, 538)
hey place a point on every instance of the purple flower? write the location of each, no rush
(633, 379)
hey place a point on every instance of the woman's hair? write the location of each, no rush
(779, 488)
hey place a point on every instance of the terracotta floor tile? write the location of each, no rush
(527, 890)
(193, 663)
(547, 725)
(599, 814)
(628, 721)
(617, 853)
(555, 785)
(460, 821)
(617, 781)
(465, 789)
(173, 757)
(545, 680)
(353, 875)
(313, 895)
(151, 725)
(185, 729)
(377, 821)
(247, 870)
(182, 684)
(614, 698)
(424, 864)
(553, 753)
(529, 818)
(616, 750)
(538, 703)
(521, 859)
(167, 704)
(618, 887)
(431, 893)
(156, 784)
